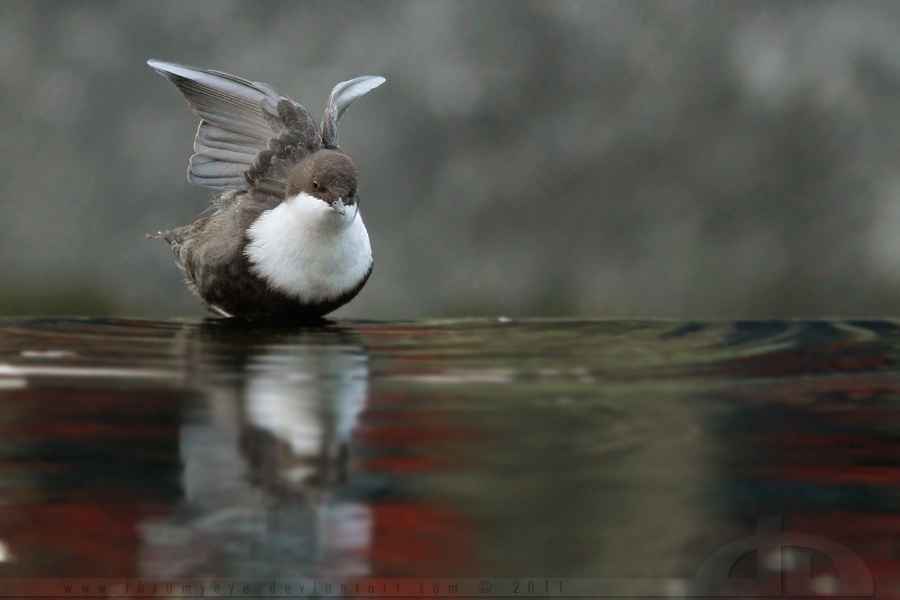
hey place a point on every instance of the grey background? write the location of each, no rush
(673, 159)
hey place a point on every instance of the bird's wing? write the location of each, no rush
(250, 135)
(342, 96)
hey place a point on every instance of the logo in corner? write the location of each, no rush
(773, 548)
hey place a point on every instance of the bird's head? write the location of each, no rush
(328, 175)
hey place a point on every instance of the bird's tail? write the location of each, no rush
(170, 235)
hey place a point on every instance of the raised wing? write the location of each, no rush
(251, 134)
(342, 96)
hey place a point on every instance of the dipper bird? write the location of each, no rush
(286, 240)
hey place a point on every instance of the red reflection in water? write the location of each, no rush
(414, 536)
(82, 470)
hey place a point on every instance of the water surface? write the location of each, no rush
(466, 448)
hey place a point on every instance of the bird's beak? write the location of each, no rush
(338, 205)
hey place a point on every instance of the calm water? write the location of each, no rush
(509, 449)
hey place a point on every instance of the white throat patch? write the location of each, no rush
(306, 249)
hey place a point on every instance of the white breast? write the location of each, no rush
(306, 249)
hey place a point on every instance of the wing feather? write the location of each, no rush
(224, 154)
(209, 137)
(250, 135)
(342, 96)
(206, 172)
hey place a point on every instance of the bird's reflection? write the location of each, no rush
(265, 449)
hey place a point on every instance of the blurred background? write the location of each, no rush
(609, 159)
